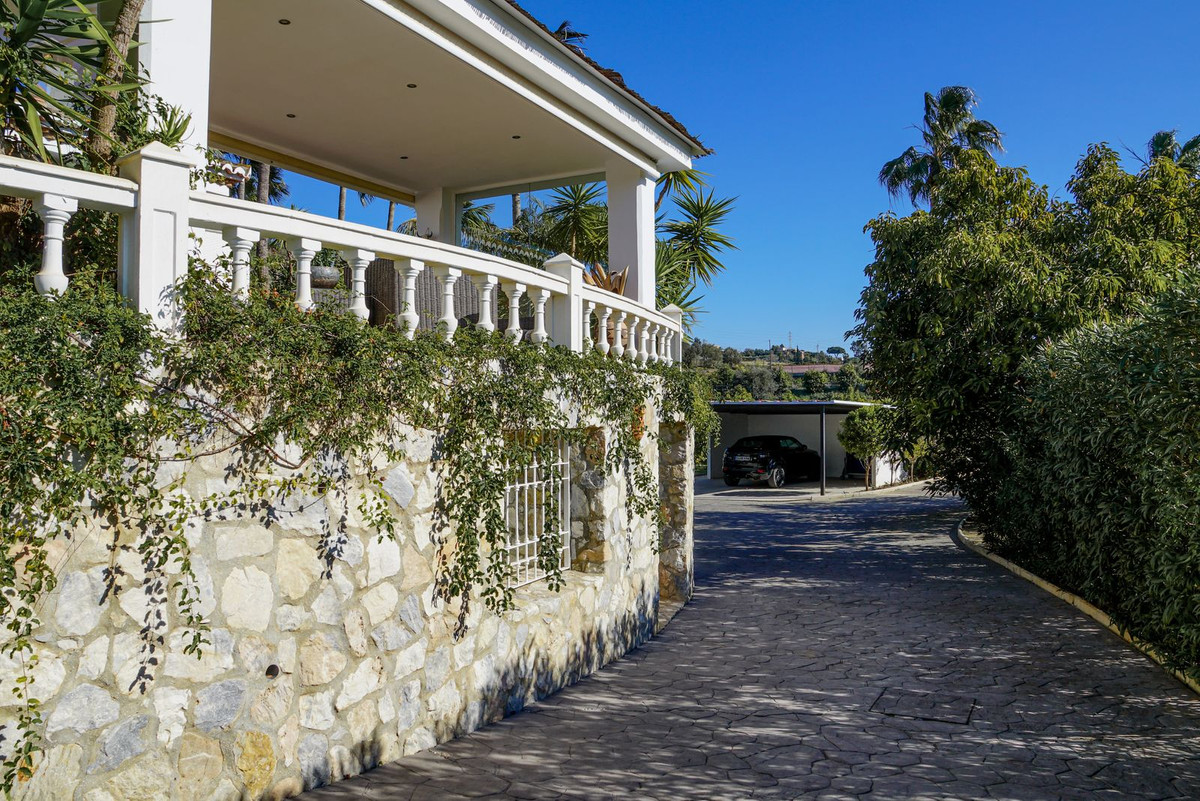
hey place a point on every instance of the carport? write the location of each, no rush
(814, 423)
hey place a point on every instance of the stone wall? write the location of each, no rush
(327, 652)
(677, 476)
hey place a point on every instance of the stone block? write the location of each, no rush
(255, 762)
(320, 661)
(78, 608)
(380, 601)
(316, 711)
(218, 705)
(297, 567)
(82, 709)
(170, 705)
(242, 540)
(362, 681)
(121, 742)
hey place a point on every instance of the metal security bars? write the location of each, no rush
(536, 506)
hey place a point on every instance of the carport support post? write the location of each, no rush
(822, 450)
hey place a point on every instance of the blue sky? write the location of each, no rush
(803, 101)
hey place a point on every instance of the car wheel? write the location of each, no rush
(731, 481)
(776, 478)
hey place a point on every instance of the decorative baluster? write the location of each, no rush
(661, 353)
(644, 354)
(408, 319)
(631, 341)
(358, 260)
(486, 286)
(618, 346)
(668, 351)
(448, 276)
(514, 292)
(55, 211)
(602, 343)
(654, 343)
(240, 240)
(539, 334)
(588, 342)
(304, 252)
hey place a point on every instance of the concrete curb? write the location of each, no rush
(973, 542)
(849, 496)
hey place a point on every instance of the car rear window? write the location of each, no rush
(757, 442)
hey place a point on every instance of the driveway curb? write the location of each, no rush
(849, 496)
(973, 542)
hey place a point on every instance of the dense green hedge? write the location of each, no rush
(1105, 496)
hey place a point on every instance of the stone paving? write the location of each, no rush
(839, 650)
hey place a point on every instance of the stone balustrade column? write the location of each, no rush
(448, 277)
(618, 346)
(304, 250)
(539, 334)
(631, 342)
(240, 240)
(514, 292)
(55, 211)
(602, 343)
(486, 286)
(358, 260)
(644, 353)
(588, 311)
(408, 319)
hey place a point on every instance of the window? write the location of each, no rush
(537, 509)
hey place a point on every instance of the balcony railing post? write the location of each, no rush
(566, 312)
(539, 335)
(618, 345)
(588, 311)
(486, 286)
(644, 354)
(514, 292)
(359, 260)
(305, 250)
(675, 335)
(655, 342)
(409, 318)
(154, 234)
(55, 210)
(240, 240)
(631, 340)
(602, 344)
(448, 277)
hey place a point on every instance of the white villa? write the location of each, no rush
(320, 670)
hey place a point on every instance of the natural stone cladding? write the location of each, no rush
(327, 653)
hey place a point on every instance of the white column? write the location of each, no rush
(174, 47)
(644, 353)
(486, 286)
(359, 260)
(304, 250)
(154, 235)
(539, 335)
(514, 292)
(631, 342)
(589, 310)
(448, 277)
(55, 211)
(618, 346)
(408, 318)
(602, 344)
(675, 350)
(655, 343)
(566, 310)
(437, 218)
(631, 228)
(240, 240)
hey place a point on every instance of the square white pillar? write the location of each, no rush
(437, 218)
(631, 228)
(175, 50)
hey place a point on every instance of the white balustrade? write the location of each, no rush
(539, 335)
(486, 286)
(514, 292)
(56, 210)
(359, 260)
(448, 277)
(153, 194)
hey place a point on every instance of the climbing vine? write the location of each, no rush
(101, 417)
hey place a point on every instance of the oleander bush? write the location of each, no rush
(1104, 498)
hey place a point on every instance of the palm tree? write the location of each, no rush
(672, 183)
(113, 71)
(948, 130)
(570, 37)
(579, 222)
(696, 235)
(1164, 144)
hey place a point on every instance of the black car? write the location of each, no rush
(777, 459)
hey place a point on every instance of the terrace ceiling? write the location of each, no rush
(373, 99)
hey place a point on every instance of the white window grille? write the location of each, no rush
(537, 504)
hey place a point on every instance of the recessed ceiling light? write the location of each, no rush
(285, 22)
(517, 137)
(412, 86)
(291, 116)
(404, 158)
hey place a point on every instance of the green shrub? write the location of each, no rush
(1103, 496)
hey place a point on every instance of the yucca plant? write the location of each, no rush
(50, 54)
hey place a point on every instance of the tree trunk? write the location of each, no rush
(112, 71)
(341, 202)
(264, 196)
(391, 223)
(516, 207)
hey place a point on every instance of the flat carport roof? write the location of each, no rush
(815, 407)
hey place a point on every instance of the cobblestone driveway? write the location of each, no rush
(837, 651)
